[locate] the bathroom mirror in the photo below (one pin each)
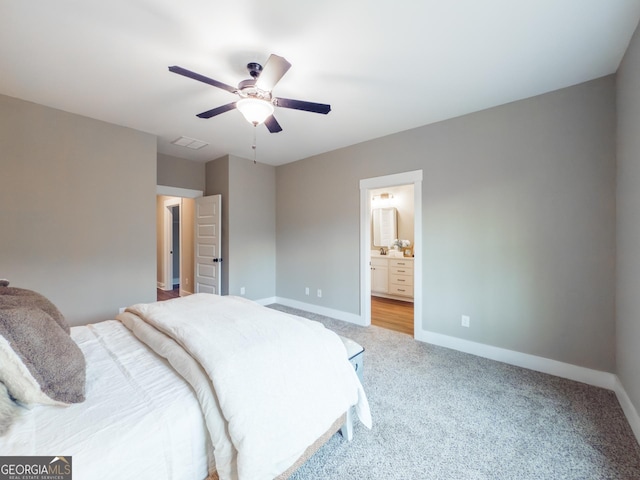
(385, 226)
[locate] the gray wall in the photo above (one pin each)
(248, 224)
(77, 210)
(518, 223)
(179, 172)
(628, 234)
(252, 214)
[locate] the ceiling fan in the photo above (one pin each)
(256, 102)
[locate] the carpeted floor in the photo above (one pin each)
(446, 415)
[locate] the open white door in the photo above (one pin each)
(207, 244)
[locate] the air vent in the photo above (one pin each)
(191, 143)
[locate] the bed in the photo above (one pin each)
(162, 400)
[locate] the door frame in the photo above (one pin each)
(180, 193)
(366, 185)
(167, 216)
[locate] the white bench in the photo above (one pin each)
(355, 353)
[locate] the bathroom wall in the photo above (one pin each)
(403, 202)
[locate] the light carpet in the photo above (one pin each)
(442, 414)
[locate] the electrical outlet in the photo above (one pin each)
(319, 293)
(186, 281)
(306, 290)
(242, 291)
(466, 320)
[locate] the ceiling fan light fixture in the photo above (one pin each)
(255, 110)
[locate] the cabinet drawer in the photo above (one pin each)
(401, 280)
(401, 271)
(400, 263)
(403, 290)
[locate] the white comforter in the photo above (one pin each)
(274, 382)
(140, 419)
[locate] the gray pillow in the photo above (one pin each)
(41, 364)
(20, 297)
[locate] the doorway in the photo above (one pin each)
(367, 187)
(174, 241)
(392, 267)
(170, 245)
(174, 248)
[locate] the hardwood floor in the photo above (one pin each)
(168, 294)
(392, 314)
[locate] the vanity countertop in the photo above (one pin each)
(390, 254)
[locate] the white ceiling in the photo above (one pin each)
(383, 66)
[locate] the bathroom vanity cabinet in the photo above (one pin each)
(392, 277)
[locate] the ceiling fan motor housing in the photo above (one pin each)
(247, 88)
(254, 69)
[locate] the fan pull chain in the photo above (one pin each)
(254, 146)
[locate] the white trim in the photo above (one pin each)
(627, 407)
(178, 192)
(160, 285)
(413, 177)
(267, 301)
(184, 293)
(365, 254)
(327, 312)
(589, 376)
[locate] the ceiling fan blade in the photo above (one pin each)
(272, 124)
(301, 105)
(273, 71)
(217, 111)
(202, 78)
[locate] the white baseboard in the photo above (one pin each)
(160, 285)
(320, 310)
(184, 293)
(589, 376)
(627, 407)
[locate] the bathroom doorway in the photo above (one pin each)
(392, 295)
(392, 243)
